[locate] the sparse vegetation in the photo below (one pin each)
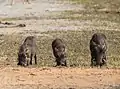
(98, 4)
(77, 43)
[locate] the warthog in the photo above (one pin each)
(98, 49)
(27, 51)
(59, 52)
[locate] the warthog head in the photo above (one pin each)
(23, 57)
(61, 56)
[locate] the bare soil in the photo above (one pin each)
(58, 78)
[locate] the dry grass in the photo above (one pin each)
(77, 45)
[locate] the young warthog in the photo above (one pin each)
(27, 51)
(59, 52)
(98, 49)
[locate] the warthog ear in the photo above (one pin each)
(93, 43)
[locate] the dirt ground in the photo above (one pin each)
(51, 77)
(58, 78)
